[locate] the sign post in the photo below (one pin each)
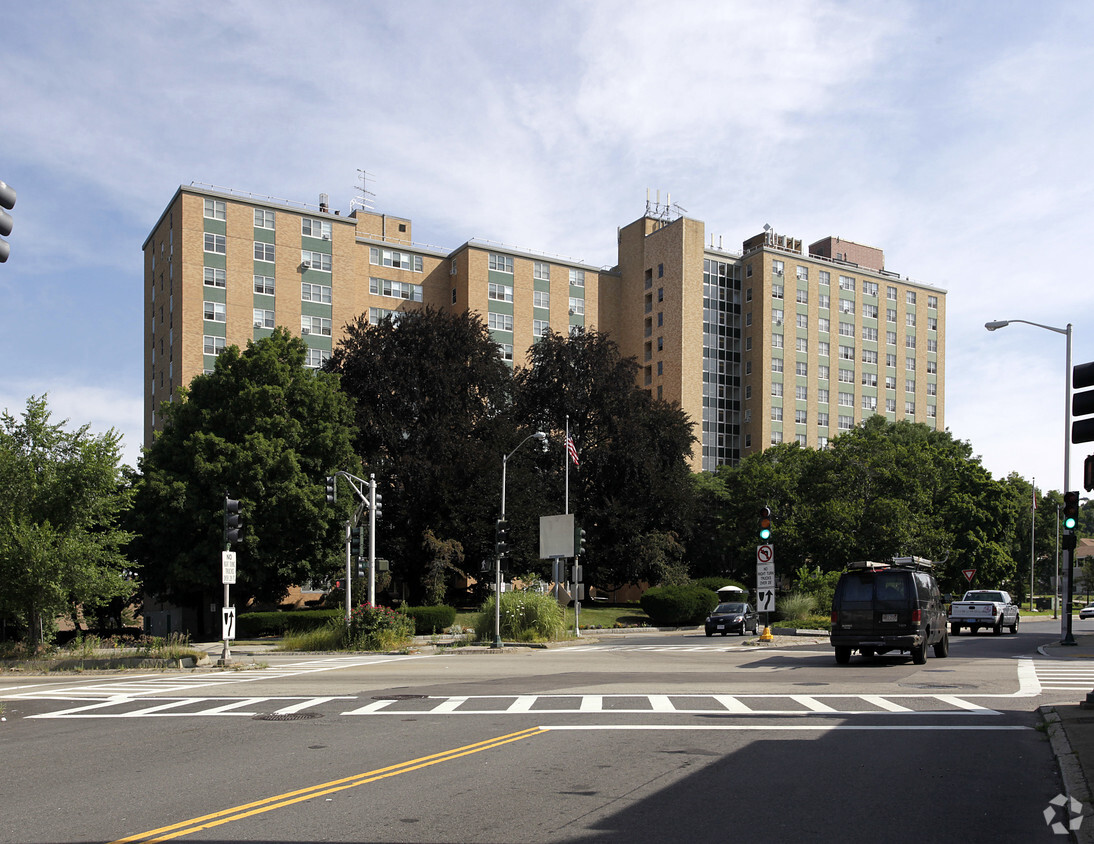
(765, 580)
(228, 616)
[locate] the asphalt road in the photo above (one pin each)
(637, 738)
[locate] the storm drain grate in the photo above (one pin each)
(287, 716)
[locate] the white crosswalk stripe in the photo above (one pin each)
(190, 707)
(701, 704)
(1064, 675)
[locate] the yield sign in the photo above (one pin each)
(968, 574)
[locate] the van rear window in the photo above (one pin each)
(858, 588)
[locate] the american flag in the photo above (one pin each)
(571, 449)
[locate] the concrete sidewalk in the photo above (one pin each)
(1070, 728)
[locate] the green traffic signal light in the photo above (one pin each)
(765, 523)
(1071, 510)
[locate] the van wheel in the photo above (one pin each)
(843, 655)
(1014, 627)
(955, 629)
(942, 646)
(919, 654)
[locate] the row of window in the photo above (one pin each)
(264, 285)
(264, 218)
(540, 269)
(869, 379)
(264, 318)
(869, 334)
(845, 305)
(846, 422)
(824, 324)
(870, 288)
(823, 370)
(217, 244)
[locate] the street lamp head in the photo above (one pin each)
(539, 435)
(996, 323)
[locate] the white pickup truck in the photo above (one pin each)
(984, 608)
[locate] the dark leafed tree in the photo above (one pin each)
(60, 540)
(266, 430)
(432, 401)
(633, 484)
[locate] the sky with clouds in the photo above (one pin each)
(956, 137)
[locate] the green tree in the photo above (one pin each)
(633, 479)
(432, 394)
(267, 430)
(60, 539)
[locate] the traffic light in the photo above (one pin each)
(765, 523)
(332, 493)
(501, 545)
(355, 542)
(377, 504)
(361, 567)
(1082, 404)
(1088, 473)
(579, 543)
(1071, 510)
(7, 200)
(233, 521)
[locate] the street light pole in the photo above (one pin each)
(1067, 637)
(542, 437)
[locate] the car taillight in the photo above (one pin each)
(835, 617)
(993, 609)
(917, 616)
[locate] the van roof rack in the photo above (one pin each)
(917, 563)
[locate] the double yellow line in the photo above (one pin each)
(167, 833)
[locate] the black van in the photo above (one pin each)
(881, 607)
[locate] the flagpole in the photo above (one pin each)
(566, 463)
(1032, 544)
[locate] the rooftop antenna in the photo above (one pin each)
(365, 198)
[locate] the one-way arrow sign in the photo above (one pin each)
(228, 623)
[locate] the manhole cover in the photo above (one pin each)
(287, 716)
(399, 697)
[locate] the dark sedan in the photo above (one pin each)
(732, 618)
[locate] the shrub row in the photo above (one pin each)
(430, 620)
(250, 625)
(678, 606)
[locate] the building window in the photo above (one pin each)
(316, 358)
(909, 297)
(932, 411)
(909, 385)
(660, 344)
(846, 306)
(776, 414)
(824, 277)
(315, 293)
(264, 219)
(499, 292)
(577, 308)
(932, 323)
(822, 396)
(803, 321)
(823, 300)
(660, 367)
(398, 260)
(847, 352)
(500, 322)
(846, 423)
(501, 263)
(824, 324)
(777, 267)
(869, 288)
(932, 302)
(541, 299)
(869, 379)
(506, 351)
(822, 372)
(776, 364)
(869, 403)
(264, 284)
(823, 348)
(748, 319)
(909, 408)
(801, 417)
(395, 289)
(660, 294)
(890, 405)
(846, 283)
(909, 341)
(847, 329)
(822, 420)
(890, 382)
(264, 251)
(215, 311)
(890, 293)
(539, 327)
(541, 271)
(869, 311)
(214, 277)
(577, 278)
(932, 367)
(310, 227)
(801, 392)
(932, 345)
(315, 325)
(776, 291)
(776, 341)
(802, 344)
(453, 295)
(216, 243)
(777, 316)
(315, 260)
(869, 356)
(846, 376)
(216, 209)
(890, 360)
(212, 345)
(890, 338)
(801, 368)
(263, 318)
(869, 334)
(776, 389)
(909, 364)
(803, 297)
(802, 273)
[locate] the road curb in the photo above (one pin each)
(1071, 773)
